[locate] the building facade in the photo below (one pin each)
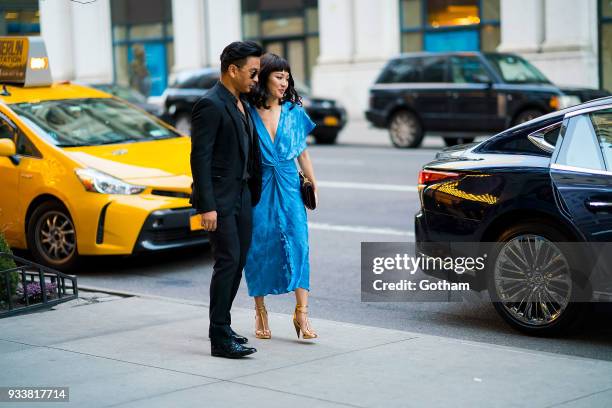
(336, 46)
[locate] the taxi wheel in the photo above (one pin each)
(52, 237)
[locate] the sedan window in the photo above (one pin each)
(579, 146)
(602, 125)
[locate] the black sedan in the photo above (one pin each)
(537, 199)
(188, 87)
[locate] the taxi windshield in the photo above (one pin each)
(91, 122)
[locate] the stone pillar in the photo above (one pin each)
(189, 35)
(92, 41)
(78, 40)
(336, 31)
(56, 30)
(222, 26)
(356, 37)
(377, 33)
(557, 36)
(522, 25)
(569, 51)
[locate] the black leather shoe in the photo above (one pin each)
(229, 348)
(239, 339)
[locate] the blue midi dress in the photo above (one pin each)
(277, 261)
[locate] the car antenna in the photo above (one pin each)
(5, 91)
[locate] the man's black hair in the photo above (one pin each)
(237, 52)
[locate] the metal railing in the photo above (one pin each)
(39, 287)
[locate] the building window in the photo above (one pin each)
(143, 51)
(289, 28)
(449, 25)
(605, 44)
(19, 17)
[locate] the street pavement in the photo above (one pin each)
(141, 351)
(147, 347)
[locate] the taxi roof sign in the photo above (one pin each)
(24, 61)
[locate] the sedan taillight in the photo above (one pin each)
(427, 177)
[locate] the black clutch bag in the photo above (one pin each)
(308, 194)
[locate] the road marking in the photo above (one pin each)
(336, 162)
(367, 186)
(361, 229)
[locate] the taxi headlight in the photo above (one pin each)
(98, 182)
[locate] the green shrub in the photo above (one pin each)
(7, 263)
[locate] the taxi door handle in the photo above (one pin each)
(26, 176)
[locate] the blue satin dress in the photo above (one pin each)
(277, 261)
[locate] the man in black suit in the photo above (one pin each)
(226, 169)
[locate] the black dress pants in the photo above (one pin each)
(230, 244)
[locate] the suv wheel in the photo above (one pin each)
(531, 282)
(452, 141)
(526, 116)
(405, 130)
(52, 236)
(183, 124)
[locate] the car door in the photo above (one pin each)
(431, 95)
(581, 172)
(9, 180)
(473, 98)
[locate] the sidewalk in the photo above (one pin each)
(154, 352)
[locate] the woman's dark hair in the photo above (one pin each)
(273, 63)
(237, 52)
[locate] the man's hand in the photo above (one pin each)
(209, 221)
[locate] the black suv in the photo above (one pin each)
(460, 95)
(178, 100)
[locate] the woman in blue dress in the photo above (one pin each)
(277, 261)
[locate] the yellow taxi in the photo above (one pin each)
(82, 172)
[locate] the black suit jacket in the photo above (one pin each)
(218, 151)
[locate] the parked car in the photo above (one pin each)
(130, 95)
(461, 95)
(179, 98)
(543, 184)
(85, 173)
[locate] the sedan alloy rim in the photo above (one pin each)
(532, 280)
(55, 237)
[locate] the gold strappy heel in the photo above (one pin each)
(264, 332)
(307, 332)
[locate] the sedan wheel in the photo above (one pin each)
(533, 280)
(405, 130)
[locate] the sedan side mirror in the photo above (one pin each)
(7, 148)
